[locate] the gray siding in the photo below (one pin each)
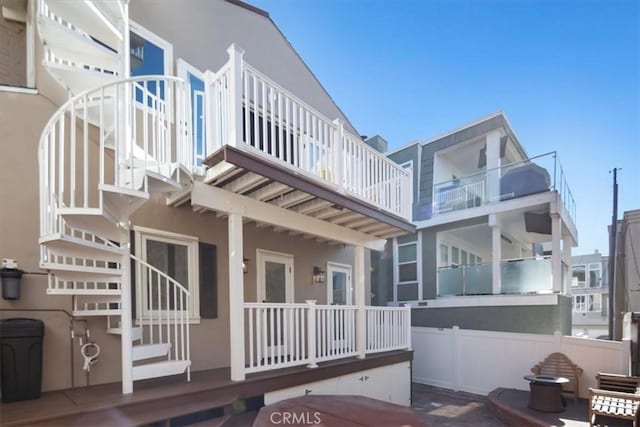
(523, 319)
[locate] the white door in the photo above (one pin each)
(275, 277)
(339, 284)
(197, 125)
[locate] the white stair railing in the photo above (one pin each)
(388, 328)
(89, 143)
(162, 309)
(272, 122)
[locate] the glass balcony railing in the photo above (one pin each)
(521, 276)
(519, 179)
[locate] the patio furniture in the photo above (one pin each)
(617, 396)
(546, 392)
(559, 365)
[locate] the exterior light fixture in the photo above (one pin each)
(245, 265)
(319, 275)
(11, 276)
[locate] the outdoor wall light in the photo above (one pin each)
(319, 275)
(245, 265)
(11, 276)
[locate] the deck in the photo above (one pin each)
(168, 398)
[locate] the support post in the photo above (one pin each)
(235, 95)
(496, 254)
(556, 252)
(236, 298)
(493, 165)
(126, 323)
(567, 241)
(361, 315)
(311, 332)
(338, 166)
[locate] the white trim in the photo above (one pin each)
(343, 268)
(395, 269)
(31, 44)
(18, 89)
(142, 234)
(263, 255)
(419, 265)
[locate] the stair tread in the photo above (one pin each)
(160, 369)
(63, 244)
(81, 269)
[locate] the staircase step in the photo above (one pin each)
(149, 351)
(136, 332)
(96, 312)
(65, 245)
(93, 220)
(159, 183)
(88, 18)
(74, 46)
(77, 79)
(71, 291)
(98, 299)
(160, 369)
(110, 9)
(80, 273)
(122, 202)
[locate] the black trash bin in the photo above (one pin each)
(21, 359)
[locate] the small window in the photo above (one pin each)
(463, 257)
(150, 55)
(595, 302)
(594, 276)
(472, 259)
(455, 257)
(578, 278)
(579, 303)
(176, 256)
(444, 255)
(408, 263)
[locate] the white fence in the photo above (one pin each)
(481, 361)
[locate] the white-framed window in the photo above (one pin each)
(407, 270)
(197, 123)
(589, 303)
(579, 303)
(175, 255)
(578, 276)
(595, 302)
(450, 255)
(595, 275)
(407, 165)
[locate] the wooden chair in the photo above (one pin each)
(559, 365)
(617, 396)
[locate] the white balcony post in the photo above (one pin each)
(556, 253)
(361, 316)
(236, 298)
(338, 157)
(493, 165)
(408, 331)
(210, 109)
(125, 316)
(235, 95)
(566, 252)
(496, 254)
(311, 332)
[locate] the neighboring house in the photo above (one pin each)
(627, 272)
(485, 212)
(590, 293)
(181, 181)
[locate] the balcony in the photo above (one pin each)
(520, 276)
(517, 179)
(251, 113)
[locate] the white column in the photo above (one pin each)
(361, 318)
(125, 316)
(311, 332)
(236, 298)
(493, 165)
(235, 94)
(556, 252)
(566, 252)
(496, 254)
(338, 158)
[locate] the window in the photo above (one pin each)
(175, 255)
(195, 79)
(455, 257)
(579, 303)
(595, 276)
(17, 32)
(408, 262)
(150, 55)
(444, 255)
(578, 278)
(463, 257)
(595, 302)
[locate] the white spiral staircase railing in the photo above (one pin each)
(115, 142)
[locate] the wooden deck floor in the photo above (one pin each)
(165, 398)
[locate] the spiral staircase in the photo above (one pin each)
(114, 144)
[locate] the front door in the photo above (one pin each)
(275, 277)
(339, 287)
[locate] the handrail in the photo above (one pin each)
(161, 273)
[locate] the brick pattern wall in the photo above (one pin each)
(13, 52)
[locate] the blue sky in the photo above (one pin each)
(566, 73)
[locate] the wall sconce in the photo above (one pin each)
(319, 275)
(245, 265)
(11, 276)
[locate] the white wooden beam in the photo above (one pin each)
(236, 297)
(224, 201)
(292, 199)
(346, 218)
(312, 206)
(245, 183)
(374, 227)
(359, 289)
(269, 191)
(360, 222)
(327, 213)
(219, 171)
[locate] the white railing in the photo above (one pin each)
(285, 335)
(388, 328)
(110, 136)
(162, 310)
(460, 197)
(250, 111)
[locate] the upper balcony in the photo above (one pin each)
(250, 114)
(510, 181)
